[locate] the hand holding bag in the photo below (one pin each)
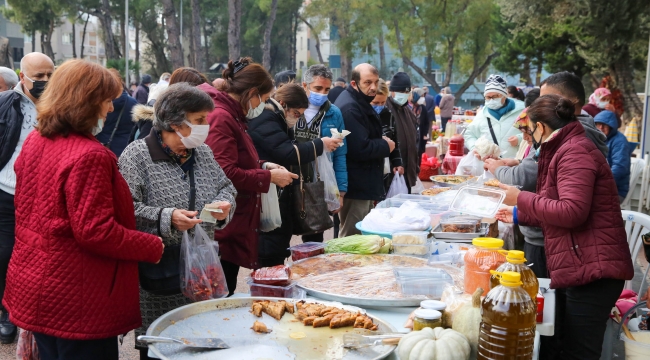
(310, 214)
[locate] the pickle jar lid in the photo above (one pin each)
(428, 314)
(433, 305)
(489, 243)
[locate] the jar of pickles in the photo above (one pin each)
(437, 306)
(426, 318)
(479, 260)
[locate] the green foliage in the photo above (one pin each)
(34, 15)
(118, 64)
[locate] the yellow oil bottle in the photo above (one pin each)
(515, 261)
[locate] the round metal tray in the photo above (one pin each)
(230, 319)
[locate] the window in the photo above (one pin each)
(302, 64)
(308, 43)
(18, 53)
(66, 38)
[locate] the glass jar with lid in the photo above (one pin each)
(426, 318)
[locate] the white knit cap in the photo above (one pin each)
(495, 83)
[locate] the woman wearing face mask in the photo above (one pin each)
(240, 98)
(318, 121)
(495, 120)
(273, 134)
(160, 170)
(599, 101)
(73, 274)
(576, 205)
(382, 105)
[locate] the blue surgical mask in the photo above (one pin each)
(494, 104)
(401, 98)
(378, 108)
(317, 99)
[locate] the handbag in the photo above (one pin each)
(164, 278)
(310, 214)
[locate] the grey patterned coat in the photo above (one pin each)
(159, 186)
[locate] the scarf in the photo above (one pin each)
(508, 107)
(185, 160)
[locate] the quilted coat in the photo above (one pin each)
(234, 151)
(73, 273)
(576, 205)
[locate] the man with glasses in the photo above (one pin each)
(495, 120)
(35, 71)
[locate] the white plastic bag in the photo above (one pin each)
(398, 186)
(418, 188)
(327, 176)
(386, 166)
(486, 148)
(270, 218)
(408, 217)
(470, 165)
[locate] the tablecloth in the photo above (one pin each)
(450, 163)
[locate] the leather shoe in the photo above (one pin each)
(8, 330)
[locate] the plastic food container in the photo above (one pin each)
(279, 275)
(460, 224)
(432, 287)
(426, 318)
(479, 260)
(481, 202)
(410, 237)
(421, 273)
(411, 250)
(289, 291)
(307, 250)
(451, 258)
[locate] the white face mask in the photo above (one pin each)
(253, 113)
(98, 128)
(198, 134)
(401, 98)
(494, 104)
(602, 104)
(421, 101)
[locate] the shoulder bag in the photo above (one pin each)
(164, 278)
(310, 215)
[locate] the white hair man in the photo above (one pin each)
(8, 79)
(35, 71)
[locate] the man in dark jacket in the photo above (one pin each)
(405, 126)
(338, 88)
(117, 125)
(430, 104)
(619, 156)
(367, 147)
(142, 92)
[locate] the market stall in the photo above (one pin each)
(424, 269)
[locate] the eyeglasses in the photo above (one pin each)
(492, 97)
(294, 113)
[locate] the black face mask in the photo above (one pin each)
(536, 144)
(368, 98)
(37, 88)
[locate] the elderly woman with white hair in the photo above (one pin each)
(171, 174)
(8, 79)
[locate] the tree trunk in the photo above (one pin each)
(199, 60)
(478, 70)
(451, 58)
(540, 68)
(83, 36)
(525, 72)
(191, 56)
(206, 48)
(382, 55)
(234, 28)
(124, 42)
(105, 18)
(316, 36)
(294, 47)
(46, 42)
(173, 34)
(136, 25)
(74, 39)
(266, 46)
(34, 41)
(407, 61)
(622, 73)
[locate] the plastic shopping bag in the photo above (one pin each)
(398, 186)
(270, 218)
(202, 276)
(327, 176)
(418, 188)
(26, 348)
(386, 166)
(470, 165)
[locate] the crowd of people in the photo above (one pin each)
(98, 183)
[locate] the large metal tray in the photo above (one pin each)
(230, 319)
(445, 184)
(440, 235)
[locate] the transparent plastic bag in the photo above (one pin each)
(470, 165)
(418, 188)
(201, 274)
(327, 176)
(26, 349)
(398, 186)
(270, 218)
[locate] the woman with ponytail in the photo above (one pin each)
(576, 205)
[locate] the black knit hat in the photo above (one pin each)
(401, 82)
(284, 77)
(340, 80)
(146, 79)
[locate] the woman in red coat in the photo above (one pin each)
(73, 274)
(576, 205)
(246, 88)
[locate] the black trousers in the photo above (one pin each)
(230, 271)
(53, 348)
(536, 256)
(581, 315)
(7, 236)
